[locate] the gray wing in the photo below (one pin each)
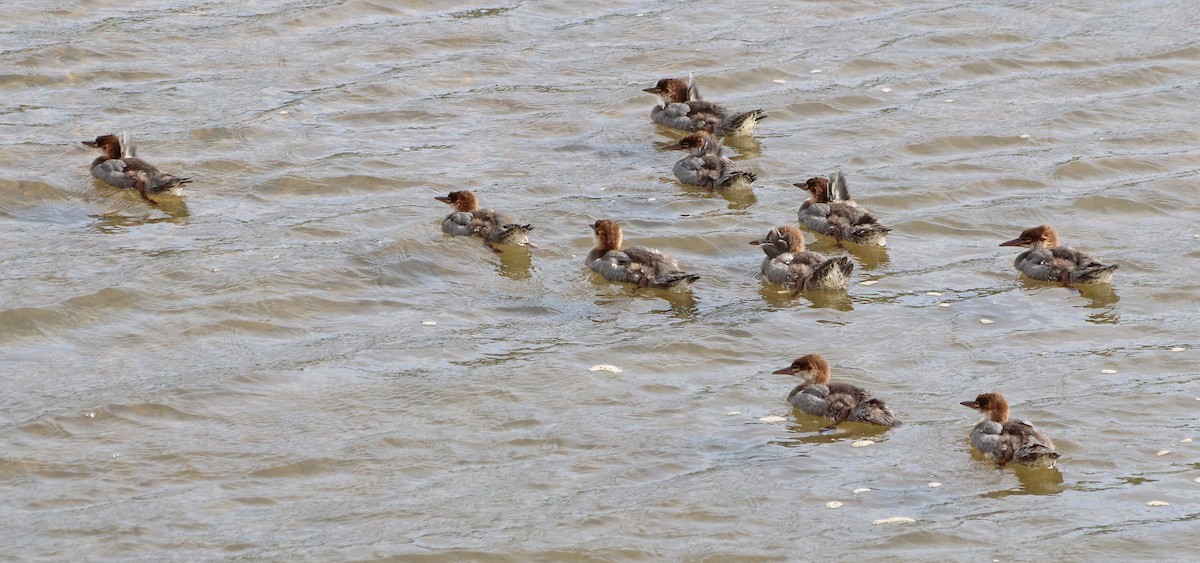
(1040, 264)
(987, 438)
(811, 400)
(815, 217)
(777, 270)
(652, 260)
(838, 189)
(114, 173)
(128, 147)
(673, 115)
(693, 90)
(616, 266)
(690, 169)
(458, 224)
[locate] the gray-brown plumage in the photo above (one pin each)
(830, 211)
(492, 226)
(1005, 440)
(643, 267)
(681, 107)
(118, 166)
(838, 402)
(706, 165)
(789, 264)
(1046, 260)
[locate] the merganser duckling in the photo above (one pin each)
(788, 263)
(1003, 440)
(830, 211)
(706, 165)
(681, 107)
(836, 401)
(469, 220)
(119, 167)
(1047, 261)
(643, 267)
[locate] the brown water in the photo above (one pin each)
(246, 373)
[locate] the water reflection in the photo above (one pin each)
(683, 304)
(738, 199)
(747, 147)
(1032, 480)
(807, 430)
(1101, 297)
(869, 257)
(780, 297)
(169, 210)
(516, 262)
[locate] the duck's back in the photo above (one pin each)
(674, 115)
(458, 224)
(829, 401)
(644, 267)
(1027, 444)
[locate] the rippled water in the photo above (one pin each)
(247, 372)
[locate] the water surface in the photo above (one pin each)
(249, 372)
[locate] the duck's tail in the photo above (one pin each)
(868, 232)
(1037, 454)
(1098, 273)
(166, 183)
(874, 411)
(830, 274)
(511, 233)
(736, 179)
(677, 280)
(742, 123)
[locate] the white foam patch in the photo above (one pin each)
(772, 418)
(893, 520)
(833, 504)
(861, 443)
(606, 367)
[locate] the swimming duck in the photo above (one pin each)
(836, 401)
(1003, 440)
(681, 107)
(830, 211)
(469, 220)
(788, 263)
(1047, 261)
(643, 267)
(706, 165)
(119, 167)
